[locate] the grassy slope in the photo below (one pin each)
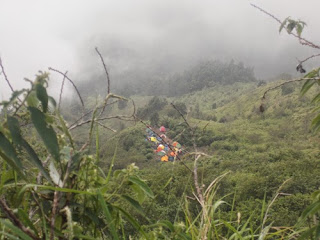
(261, 149)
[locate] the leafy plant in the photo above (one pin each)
(57, 189)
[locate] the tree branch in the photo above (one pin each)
(302, 40)
(105, 69)
(75, 87)
(315, 55)
(5, 75)
(15, 220)
(281, 84)
(61, 89)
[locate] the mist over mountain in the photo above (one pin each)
(143, 38)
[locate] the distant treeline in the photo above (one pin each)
(156, 82)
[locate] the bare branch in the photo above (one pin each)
(61, 89)
(110, 95)
(134, 108)
(185, 120)
(75, 87)
(313, 56)
(265, 12)
(106, 127)
(286, 82)
(87, 113)
(56, 198)
(5, 75)
(15, 220)
(105, 68)
(302, 40)
(121, 117)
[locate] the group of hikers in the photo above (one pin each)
(165, 148)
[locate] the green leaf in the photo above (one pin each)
(264, 232)
(142, 185)
(111, 165)
(299, 29)
(14, 128)
(167, 224)
(108, 217)
(92, 123)
(306, 86)
(12, 164)
(133, 222)
(15, 230)
(34, 159)
(140, 194)
(75, 161)
(42, 96)
(316, 98)
(25, 218)
(283, 24)
(32, 99)
(291, 26)
(229, 226)
(55, 176)
(65, 129)
(133, 203)
(217, 204)
(307, 234)
(9, 236)
(310, 210)
(58, 189)
(46, 132)
(312, 74)
(316, 122)
(8, 150)
(52, 101)
(13, 97)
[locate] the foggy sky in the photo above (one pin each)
(37, 34)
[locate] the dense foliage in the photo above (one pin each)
(257, 178)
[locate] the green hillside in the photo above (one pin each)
(261, 150)
(246, 168)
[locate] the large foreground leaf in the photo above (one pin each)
(17, 138)
(45, 131)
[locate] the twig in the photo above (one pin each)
(61, 90)
(176, 137)
(315, 55)
(121, 117)
(106, 127)
(185, 120)
(105, 68)
(286, 82)
(5, 75)
(265, 12)
(271, 203)
(87, 113)
(15, 220)
(56, 198)
(302, 40)
(75, 87)
(199, 189)
(39, 176)
(110, 95)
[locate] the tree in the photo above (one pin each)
(154, 119)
